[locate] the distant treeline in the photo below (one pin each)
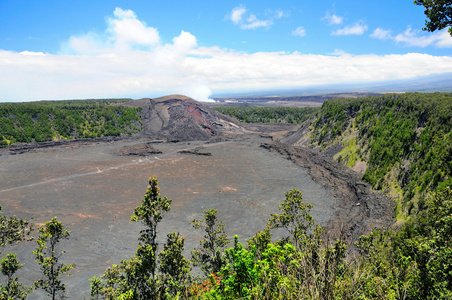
(405, 139)
(291, 115)
(52, 120)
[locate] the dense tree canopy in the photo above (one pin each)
(53, 120)
(291, 115)
(438, 12)
(405, 140)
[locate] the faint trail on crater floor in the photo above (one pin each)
(72, 176)
(64, 178)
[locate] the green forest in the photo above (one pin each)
(405, 140)
(71, 119)
(290, 115)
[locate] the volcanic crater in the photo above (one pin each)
(93, 186)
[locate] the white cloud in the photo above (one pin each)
(339, 52)
(33, 53)
(128, 31)
(414, 38)
(124, 33)
(185, 41)
(280, 14)
(198, 90)
(381, 34)
(443, 39)
(300, 31)
(358, 29)
(96, 68)
(89, 43)
(240, 16)
(332, 19)
(409, 37)
(237, 13)
(252, 22)
(124, 13)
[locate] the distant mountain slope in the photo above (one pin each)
(179, 117)
(428, 83)
(278, 100)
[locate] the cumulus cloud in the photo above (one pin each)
(95, 67)
(357, 29)
(89, 43)
(252, 22)
(246, 20)
(381, 34)
(410, 37)
(300, 31)
(128, 31)
(124, 33)
(237, 13)
(332, 19)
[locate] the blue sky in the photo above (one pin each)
(94, 49)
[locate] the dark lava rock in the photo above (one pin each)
(177, 117)
(138, 150)
(196, 151)
(359, 209)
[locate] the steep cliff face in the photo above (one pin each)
(178, 117)
(401, 143)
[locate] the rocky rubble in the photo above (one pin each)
(138, 150)
(359, 209)
(177, 117)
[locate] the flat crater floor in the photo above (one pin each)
(93, 192)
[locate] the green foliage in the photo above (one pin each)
(294, 217)
(47, 256)
(13, 229)
(406, 136)
(411, 263)
(209, 256)
(137, 278)
(13, 289)
(260, 241)
(427, 242)
(174, 267)
(131, 279)
(150, 213)
(291, 115)
(48, 120)
(281, 270)
(438, 12)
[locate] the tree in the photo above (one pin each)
(47, 256)
(12, 229)
(136, 278)
(13, 289)
(174, 267)
(294, 216)
(150, 213)
(209, 256)
(438, 12)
